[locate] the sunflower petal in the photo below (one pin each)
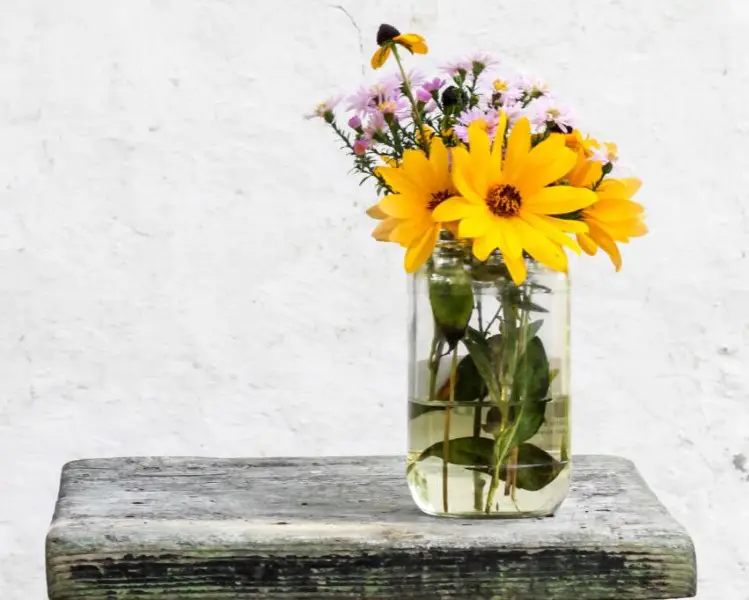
(510, 242)
(440, 162)
(400, 181)
(376, 212)
(615, 210)
(418, 253)
(569, 225)
(471, 227)
(587, 244)
(545, 165)
(541, 247)
(456, 208)
(409, 230)
(480, 145)
(413, 41)
(417, 167)
(518, 146)
(380, 56)
(517, 268)
(632, 185)
(550, 231)
(383, 230)
(462, 167)
(559, 199)
(585, 173)
(400, 206)
(607, 244)
(483, 246)
(495, 160)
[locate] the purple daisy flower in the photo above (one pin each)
(325, 109)
(489, 118)
(547, 111)
(367, 97)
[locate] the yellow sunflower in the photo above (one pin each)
(420, 184)
(586, 172)
(387, 35)
(613, 218)
(506, 201)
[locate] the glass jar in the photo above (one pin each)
(488, 401)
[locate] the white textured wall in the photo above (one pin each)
(185, 267)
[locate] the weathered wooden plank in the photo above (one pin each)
(199, 528)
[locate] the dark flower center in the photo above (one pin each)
(503, 200)
(386, 33)
(451, 96)
(438, 198)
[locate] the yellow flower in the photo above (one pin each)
(506, 201)
(501, 85)
(387, 36)
(420, 184)
(586, 172)
(613, 218)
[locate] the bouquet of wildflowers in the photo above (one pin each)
(482, 177)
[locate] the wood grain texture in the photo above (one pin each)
(199, 528)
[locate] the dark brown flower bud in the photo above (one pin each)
(386, 33)
(451, 96)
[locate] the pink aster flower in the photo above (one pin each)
(361, 146)
(483, 60)
(375, 123)
(513, 109)
(414, 77)
(354, 122)
(366, 98)
(396, 105)
(434, 85)
(324, 109)
(489, 118)
(604, 153)
(529, 86)
(423, 95)
(454, 68)
(549, 112)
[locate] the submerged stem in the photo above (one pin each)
(434, 364)
(478, 480)
(446, 439)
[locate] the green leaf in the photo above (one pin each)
(533, 328)
(451, 296)
(532, 377)
(537, 468)
(530, 417)
(466, 452)
(529, 306)
(481, 352)
(469, 385)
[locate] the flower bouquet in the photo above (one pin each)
(486, 182)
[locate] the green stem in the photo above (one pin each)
(446, 438)
(434, 364)
(500, 455)
(363, 168)
(414, 106)
(478, 480)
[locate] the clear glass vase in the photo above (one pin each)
(488, 405)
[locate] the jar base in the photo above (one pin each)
(467, 494)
